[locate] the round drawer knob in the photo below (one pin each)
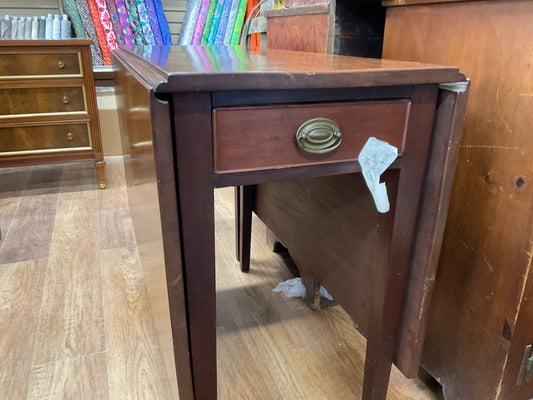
(65, 99)
(318, 136)
(70, 136)
(60, 64)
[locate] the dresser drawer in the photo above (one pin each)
(255, 138)
(44, 137)
(52, 63)
(15, 101)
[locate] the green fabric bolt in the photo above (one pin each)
(208, 21)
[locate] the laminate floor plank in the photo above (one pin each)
(12, 184)
(72, 323)
(273, 347)
(136, 366)
(82, 378)
(116, 228)
(103, 330)
(30, 231)
(21, 290)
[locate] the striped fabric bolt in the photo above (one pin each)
(231, 21)
(154, 23)
(107, 26)
(122, 13)
(200, 22)
(163, 23)
(235, 36)
(115, 21)
(224, 19)
(100, 34)
(148, 34)
(135, 21)
(216, 22)
(85, 16)
(69, 7)
(208, 21)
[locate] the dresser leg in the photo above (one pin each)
(100, 169)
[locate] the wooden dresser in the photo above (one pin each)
(48, 110)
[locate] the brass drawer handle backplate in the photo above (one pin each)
(65, 99)
(60, 64)
(70, 136)
(318, 136)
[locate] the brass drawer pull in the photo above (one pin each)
(65, 99)
(70, 136)
(318, 136)
(60, 64)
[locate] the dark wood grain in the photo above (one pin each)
(238, 132)
(148, 147)
(207, 68)
(193, 83)
(444, 150)
(193, 144)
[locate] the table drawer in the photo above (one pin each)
(15, 101)
(53, 63)
(44, 137)
(255, 138)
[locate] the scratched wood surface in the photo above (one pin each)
(80, 325)
(478, 326)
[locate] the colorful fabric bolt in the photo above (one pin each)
(135, 22)
(189, 22)
(200, 22)
(99, 30)
(163, 23)
(154, 23)
(107, 26)
(216, 22)
(85, 16)
(239, 19)
(208, 21)
(115, 21)
(69, 7)
(149, 38)
(122, 13)
(231, 21)
(224, 19)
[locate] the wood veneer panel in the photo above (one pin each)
(135, 361)
(240, 131)
(484, 258)
(299, 32)
(21, 285)
(83, 378)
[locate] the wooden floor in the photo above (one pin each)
(76, 320)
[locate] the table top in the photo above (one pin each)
(169, 69)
